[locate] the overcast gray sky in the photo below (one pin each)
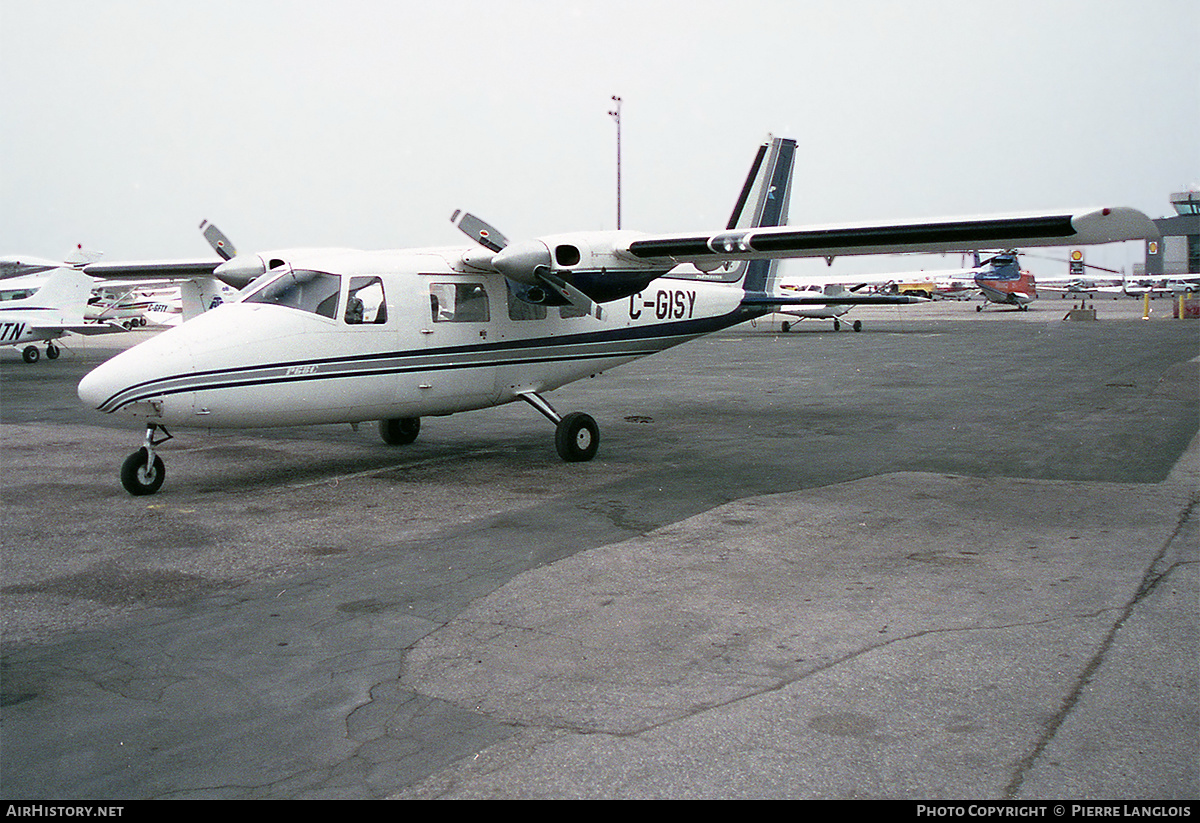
(365, 124)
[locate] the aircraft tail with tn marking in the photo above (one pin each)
(62, 298)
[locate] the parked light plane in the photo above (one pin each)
(891, 288)
(1154, 287)
(952, 284)
(331, 336)
(830, 310)
(54, 309)
(130, 303)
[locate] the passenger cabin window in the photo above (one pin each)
(459, 303)
(311, 291)
(365, 302)
(518, 309)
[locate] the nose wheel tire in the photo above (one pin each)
(140, 476)
(577, 437)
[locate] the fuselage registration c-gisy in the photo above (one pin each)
(343, 336)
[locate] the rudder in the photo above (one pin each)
(767, 192)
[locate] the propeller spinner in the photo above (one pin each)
(235, 271)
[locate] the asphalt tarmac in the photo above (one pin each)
(951, 556)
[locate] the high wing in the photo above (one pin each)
(177, 270)
(12, 267)
(153, 269)
(1082, 227)
(1087, 226)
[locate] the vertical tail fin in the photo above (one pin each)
(764, 201)
(66, 291)
(747, 188)
(198, 295)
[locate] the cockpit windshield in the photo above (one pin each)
(311, 291)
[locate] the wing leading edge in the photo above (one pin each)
(159, 269)
(1085, 227)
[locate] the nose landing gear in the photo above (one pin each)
(143, 471)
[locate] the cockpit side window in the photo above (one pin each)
(311, 291)
(365, 302)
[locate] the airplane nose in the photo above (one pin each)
(98, 385)
(113, 385)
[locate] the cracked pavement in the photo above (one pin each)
(753, 650)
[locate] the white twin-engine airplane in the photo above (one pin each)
(336, 336)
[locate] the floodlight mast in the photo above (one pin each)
(615, 113)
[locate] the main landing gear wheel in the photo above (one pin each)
(577, 437)
(399, 431)
(141, 475)
(30, 354)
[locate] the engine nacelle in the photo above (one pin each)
(589, 262)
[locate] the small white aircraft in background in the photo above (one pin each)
(950, 284)
(830, 310)
(1154, 287)
(131, 303)
(340, 336)
(125, 306)
(46, 310)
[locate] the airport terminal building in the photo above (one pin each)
(1178, 252)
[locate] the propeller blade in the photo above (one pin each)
(218, 240)
(479, 231)
(572, 295)
(520, 262)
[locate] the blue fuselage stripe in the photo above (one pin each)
(627, 344)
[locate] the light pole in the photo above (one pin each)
(616, 115)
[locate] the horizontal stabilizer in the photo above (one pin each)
(841, 299)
